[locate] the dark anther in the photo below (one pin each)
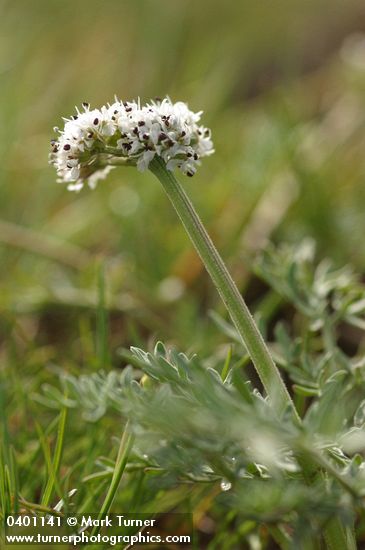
(145, 136)
(167, 123)
(96, 121)
(113, 117)
(90, 135)
(195, 156)
(190, 174)
(158, 99)
(55, 148)
(85, 104)
(115, 112)
(67, 147)
(127, 146)
(162, 136)
(170, 142)
(74, 117)
(183, 133)
(135, 131)
(141, 123)
(128, 109)
(189, 155)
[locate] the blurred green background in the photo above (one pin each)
(282, 85)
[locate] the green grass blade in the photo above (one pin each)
(125, 448)
(53, 466)
(102, 322)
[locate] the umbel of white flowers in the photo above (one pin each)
(95, 140)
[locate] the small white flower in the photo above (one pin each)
(94, 140)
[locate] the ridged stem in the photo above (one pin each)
(239, 312)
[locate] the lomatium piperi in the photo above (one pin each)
(93, 140)
(162, 136)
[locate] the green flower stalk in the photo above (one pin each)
(239, 312)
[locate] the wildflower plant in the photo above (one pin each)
(161, 136)
(207, 425)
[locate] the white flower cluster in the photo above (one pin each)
(94, 140)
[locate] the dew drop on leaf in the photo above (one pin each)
(226, 485)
